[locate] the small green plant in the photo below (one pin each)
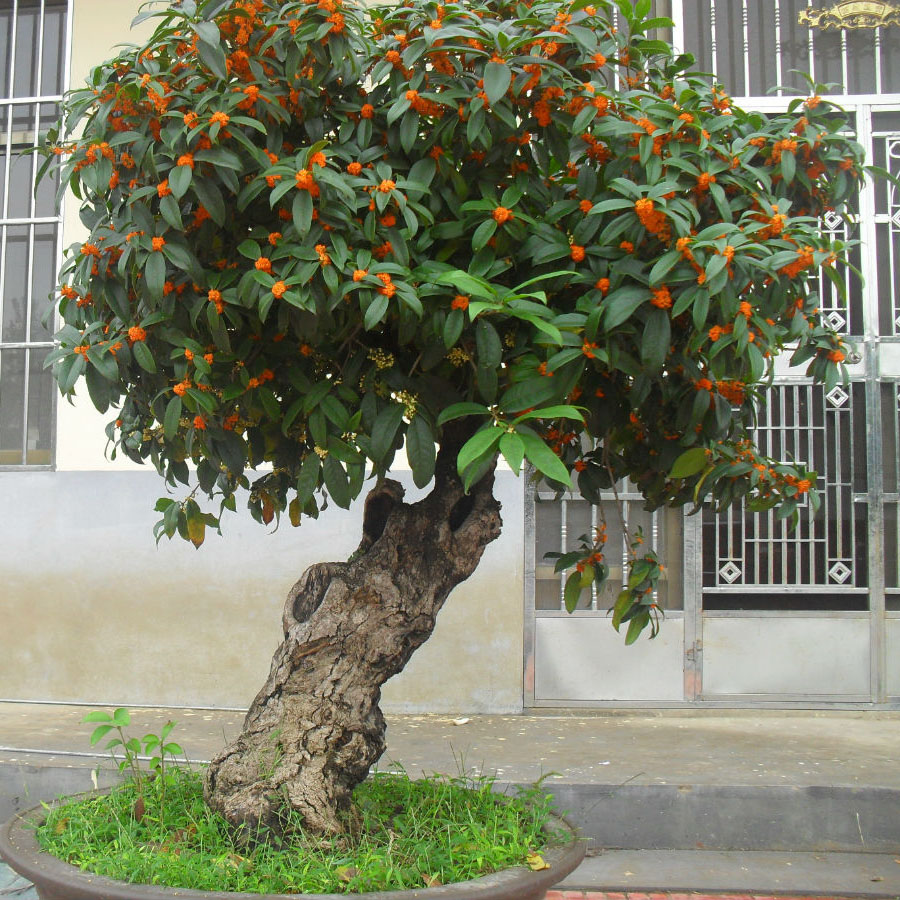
(156, 746)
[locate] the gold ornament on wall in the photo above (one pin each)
(852, 14)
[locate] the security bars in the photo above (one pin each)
(33, 64)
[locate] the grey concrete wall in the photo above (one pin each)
(92, 610)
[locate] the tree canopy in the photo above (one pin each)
(319, 233)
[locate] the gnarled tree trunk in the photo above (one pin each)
(315, 728)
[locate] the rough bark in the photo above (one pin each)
(315, 728)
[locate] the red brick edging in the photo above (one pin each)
(668, 895)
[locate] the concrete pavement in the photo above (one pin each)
(754, 803)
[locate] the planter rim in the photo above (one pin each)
(20, 849)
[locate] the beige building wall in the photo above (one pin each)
(92, 610)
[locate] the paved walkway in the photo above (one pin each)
(675, 786)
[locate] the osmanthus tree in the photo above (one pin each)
(321, 234)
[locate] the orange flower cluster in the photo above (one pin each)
(805, 260)
(388, 288)
(732, 391)
(423, 106)
(652, 219)
(661, 299)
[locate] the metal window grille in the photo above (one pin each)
(753, 46)
(33, 65)
(886, 152)
(751, 558)
(559, 525)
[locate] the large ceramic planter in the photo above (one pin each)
(57, 880)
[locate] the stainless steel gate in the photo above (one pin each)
(759, 615)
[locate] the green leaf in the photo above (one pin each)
(689, 463)
(458, 410)
(99, 733)
(551, 412)
(622, 302)
(302, 211)
(308, 478)
(483, 233)
(375, 311)
(172, 417)
(572, 592)
(487, 344)
(622, 605)
(143, 356)
(788, 166)
(336, 482)
(384, 430)
(121, 718)
(180, 180)
(420, 450)
(545, 460)
(479, 445)
(213, 57)
(656, 338)
(453, 327)
(155, 274)
(513, 450)
(636, 626)
(497, 78)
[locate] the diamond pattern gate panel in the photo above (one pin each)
(755, 561)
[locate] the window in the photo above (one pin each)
(33, 52)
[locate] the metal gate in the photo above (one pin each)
(757, 614)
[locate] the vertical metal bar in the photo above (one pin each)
(745, 25)
(654, 541)
(678, 24)
(782, 422)
(773, 523)
(66, 84)
(712, 35)
(845, 69)
(811, 52)
(40, 52)
(778, 61)
(14, 29)
(878, 60)
(32, 208)
(593, 537)
(796, 441)
(692, 580)
(563, 535)
(814, 436)
(530, 585)
(874, 445)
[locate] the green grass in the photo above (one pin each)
(411, 834)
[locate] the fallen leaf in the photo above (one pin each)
(536, 862)
(432, 881)
(139, 809)
(60, 826)
(463, 721)
(347, 873)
